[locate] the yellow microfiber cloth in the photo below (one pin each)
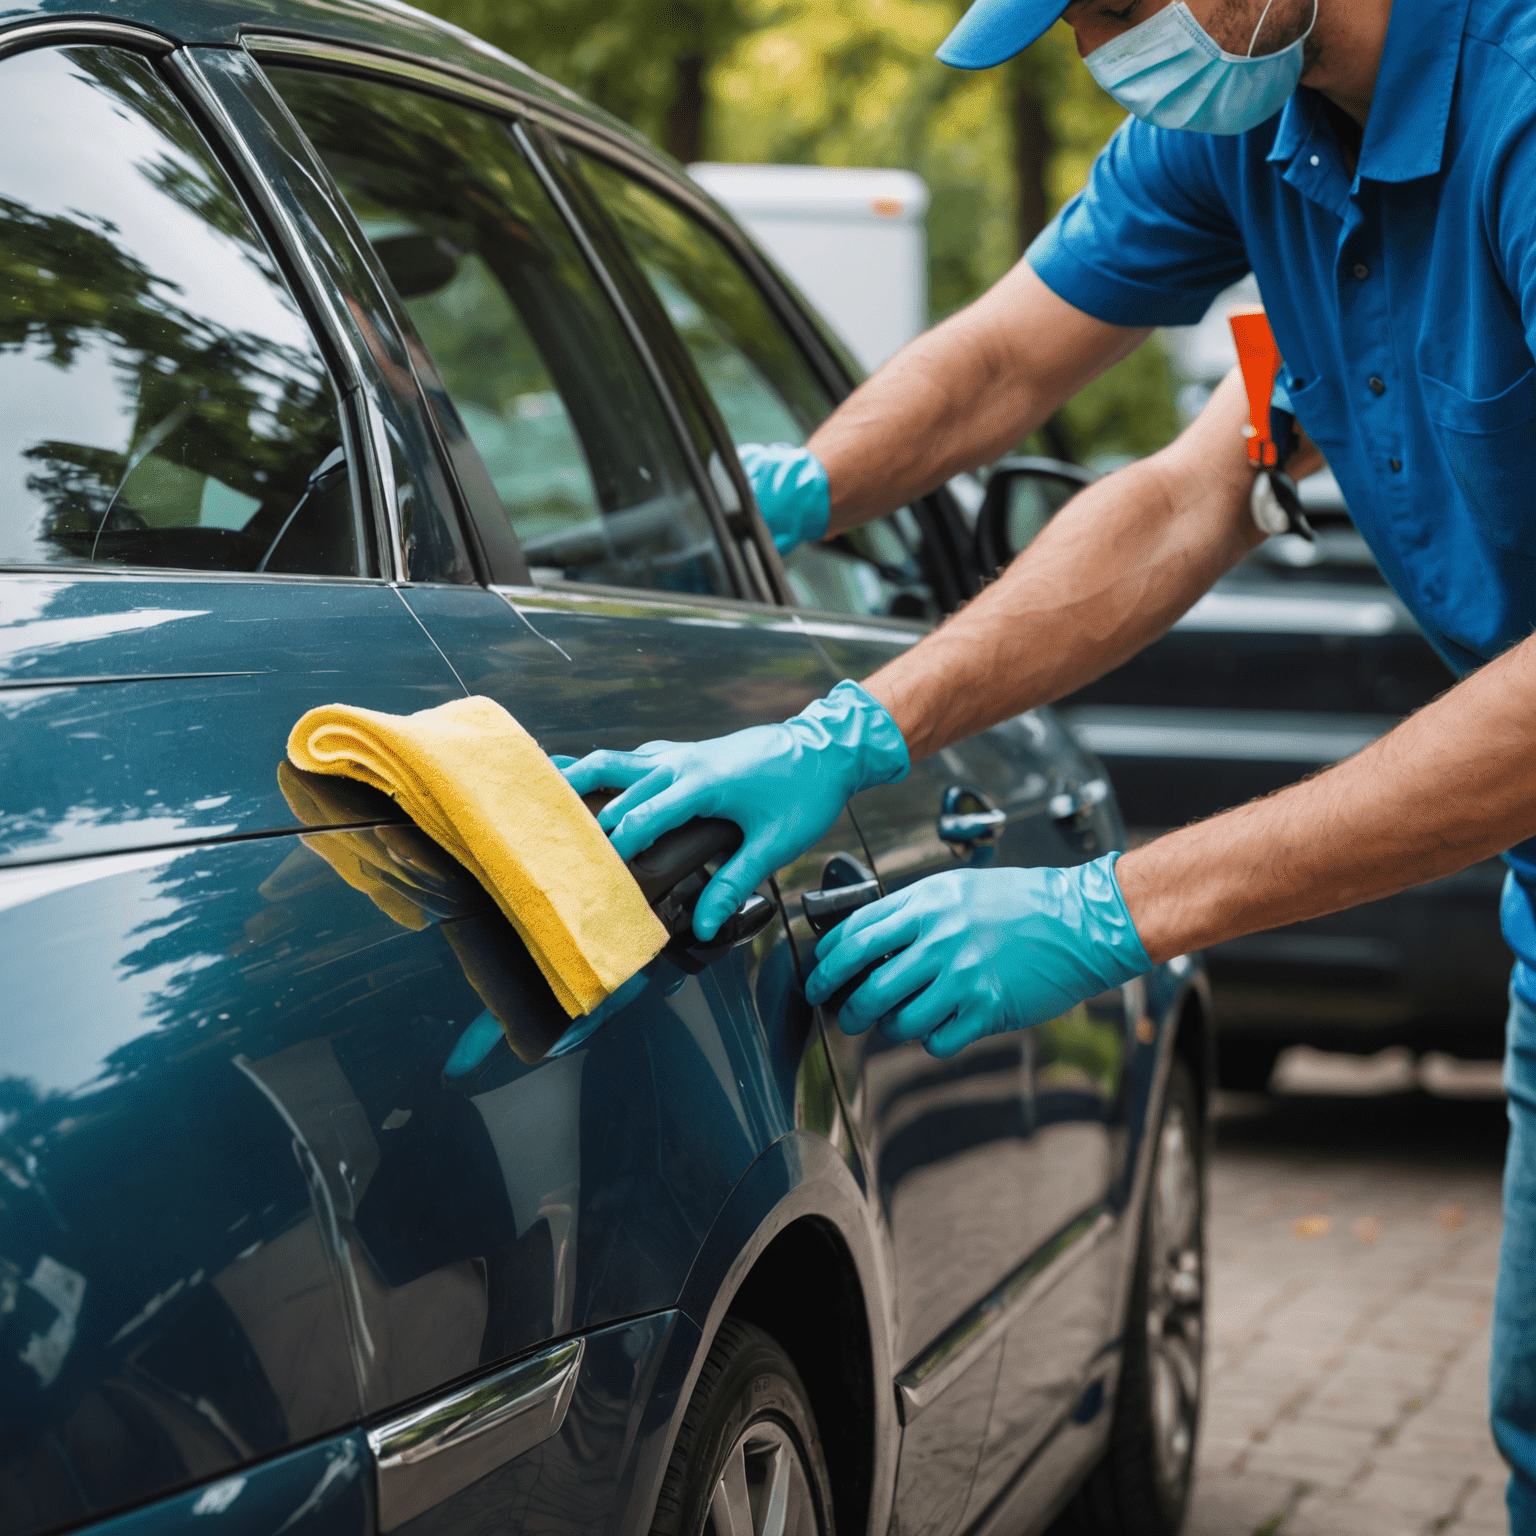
(478, 784)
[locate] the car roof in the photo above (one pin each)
(386, 27)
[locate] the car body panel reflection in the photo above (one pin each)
(244, 1201)
(145, 711)
(322, 1490)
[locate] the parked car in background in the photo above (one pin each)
(345, 359)
(1299, 657)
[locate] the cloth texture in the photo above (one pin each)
(975, 952)
(478, 784)
(1402, 295)
(1512, 1363)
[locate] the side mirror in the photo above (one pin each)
(1023, 495)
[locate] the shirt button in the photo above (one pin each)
(1362, 271)
(1315, 160)
(1397, 466)
(1377, 387)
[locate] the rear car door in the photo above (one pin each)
(199, 514)
(1008, 1153)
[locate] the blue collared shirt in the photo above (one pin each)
(1403, 299)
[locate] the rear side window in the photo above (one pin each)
(759, 379)
(537, 364)
(764, 389)
(165, 403)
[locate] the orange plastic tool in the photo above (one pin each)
(1259, 358)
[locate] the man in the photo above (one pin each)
(1388, 210)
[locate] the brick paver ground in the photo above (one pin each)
(1353, 1242)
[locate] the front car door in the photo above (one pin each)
(995, 1168)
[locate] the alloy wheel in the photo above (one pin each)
(763, 1489)
(1175, 1293)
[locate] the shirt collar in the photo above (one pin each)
(1405, 136)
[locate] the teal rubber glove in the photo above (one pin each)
(791, 489)
(783, 785)
(975, 952)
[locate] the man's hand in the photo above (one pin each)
(783, 785)
(977, 952)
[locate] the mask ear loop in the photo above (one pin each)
(1253, 42)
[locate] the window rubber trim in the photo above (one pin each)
(26, 35)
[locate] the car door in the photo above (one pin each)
(973, 1187)
(625, 625)
(198, 520)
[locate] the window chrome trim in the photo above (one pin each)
(367, 427)
(938, 1368)
(193, 78)
(432, 1453)
(59, 34)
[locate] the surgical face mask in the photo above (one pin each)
(1170, 71)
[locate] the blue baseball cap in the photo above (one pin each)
(992, 31)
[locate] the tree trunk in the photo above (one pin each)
(1032, 147)
(1033, 144)
(684, 134)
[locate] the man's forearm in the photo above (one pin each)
(1113, 570)
(960, 395)
(1453, 784)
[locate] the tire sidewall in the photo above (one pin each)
(1172, 1501)
(757, 1384)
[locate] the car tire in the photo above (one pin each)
(747, 1459)
(1141, 1486)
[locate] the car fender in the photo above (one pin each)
(800, 1176)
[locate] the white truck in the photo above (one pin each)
(853, 241)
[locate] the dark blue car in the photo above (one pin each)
(343, 359)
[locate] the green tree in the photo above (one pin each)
(645, 61)
(855, 82)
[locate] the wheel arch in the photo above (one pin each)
(798, 1204)
(829, 1339)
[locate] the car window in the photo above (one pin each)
(533, 356)
(764, 389)
(165, 403)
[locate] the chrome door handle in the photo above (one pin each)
(424, 1457)
(1075, 803)
(970, 823)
